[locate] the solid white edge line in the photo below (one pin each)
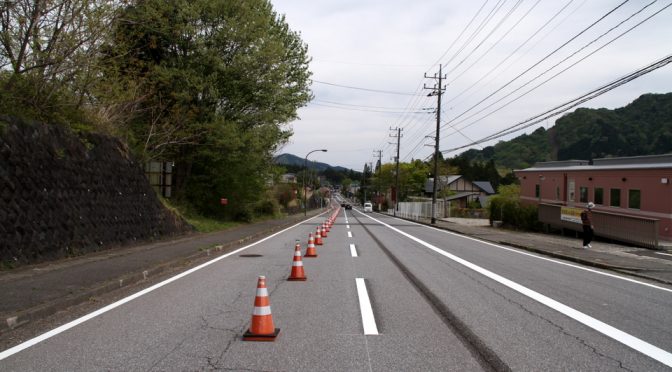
(537, 256)
(665, 254)
(368, 321)
(629, 340)
(13, 350)
(353, 251)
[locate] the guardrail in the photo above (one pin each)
(630, 229)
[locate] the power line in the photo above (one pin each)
(565, 69)
(364, 89)
(366, 110)
(518, 48)
(494, 29)
(570, 104)
(539, 62)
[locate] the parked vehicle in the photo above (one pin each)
(368, 207)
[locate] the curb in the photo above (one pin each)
(23, 317)
(620, 269)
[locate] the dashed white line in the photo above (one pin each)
(348, 226)
(353, 251)
(627, 339)
(349, 234)
(368, 320)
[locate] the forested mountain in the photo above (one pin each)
(644, 127)
(289, 159)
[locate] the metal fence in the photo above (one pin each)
(418, 210)
(630, 229)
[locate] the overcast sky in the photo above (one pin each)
(389, 45)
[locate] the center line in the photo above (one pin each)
(349, 234)
(368, 321)
(348, 226)
(353, 251)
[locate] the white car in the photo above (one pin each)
(368, 207)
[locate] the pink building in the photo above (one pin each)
(634, 186)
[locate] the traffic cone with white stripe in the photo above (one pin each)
(318, 236)
(310, 251)
(297, 273)
(262, 327)
(327, 225)
(324, 230)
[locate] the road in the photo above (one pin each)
(438, 301)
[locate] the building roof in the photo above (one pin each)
(443, 181)
(461, 195)
(632, 162)
(485, 186)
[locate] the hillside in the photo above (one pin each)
(289, 159)
(644, 127)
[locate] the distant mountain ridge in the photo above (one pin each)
(643, 127)
(289, 159)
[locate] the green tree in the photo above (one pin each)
(209, 84)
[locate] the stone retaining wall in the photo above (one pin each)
(62, 195)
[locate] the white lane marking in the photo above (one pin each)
(518, 251)
(368, 321)
(666, 254)
(347, 226)
(629, 340)
(11, 351)
(349, 234)
(353, 251)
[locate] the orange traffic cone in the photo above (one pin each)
(318, 236)
(262, 327)
(297, 265)
(310, 251)
(324, 230)
(327, 225)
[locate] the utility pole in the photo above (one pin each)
(396, 159)
(437, 90)
(379, 165)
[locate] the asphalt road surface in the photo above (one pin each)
(383, 294)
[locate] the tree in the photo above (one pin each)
(47, 54)
(209, 84)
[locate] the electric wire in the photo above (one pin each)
(496, 42)
(494, 29)
(567, 68)
(461, 93)
(569, 104)
(540, 61)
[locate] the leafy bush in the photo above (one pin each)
(506, 207)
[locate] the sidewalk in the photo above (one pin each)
(640, 262)
(37, 291)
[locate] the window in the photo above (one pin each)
(583, 194)
(557, 192)
(615, 197)
(599, 195)
(634, 199)
(537, 191)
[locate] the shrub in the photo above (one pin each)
(506, 207)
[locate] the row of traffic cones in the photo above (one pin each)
(262, 327)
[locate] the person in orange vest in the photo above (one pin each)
(588, 228)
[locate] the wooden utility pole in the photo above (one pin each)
(437, 90)
(396, 159)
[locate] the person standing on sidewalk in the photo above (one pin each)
(587, 221)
